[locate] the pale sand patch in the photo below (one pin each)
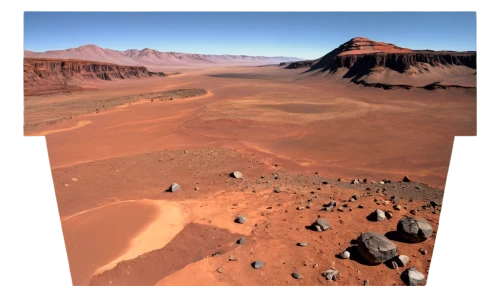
(78, 125)
(169, 222)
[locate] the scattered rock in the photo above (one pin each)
(331, 204)
(406, 179)
(355, 181)
(375, 248)
(395, 199)
(300, 208)
(330, 274)
(433, 204)
(315, 265)
(233, 258)
(366, 283)
(379, 214)
(241, 240)
(257, 264)
(402, 260)
(302, 243)
(397, 207)
(422, 251)
(237, 175)
(174, 187)
(240, 219)
(321, 224)
(296, 275)
(345, 254)
(413, 212)
(413, 277)
(388, 214)
(361, 206)
(413, 229)
(196, 188)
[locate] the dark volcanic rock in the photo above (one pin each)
(413, 229)
(375, 248)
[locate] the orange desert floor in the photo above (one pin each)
(111, 168)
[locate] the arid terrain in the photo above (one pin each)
(300, 133)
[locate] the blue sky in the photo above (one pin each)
(305, 35)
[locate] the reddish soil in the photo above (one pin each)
(276, 127)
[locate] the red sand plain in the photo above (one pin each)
(263, 121)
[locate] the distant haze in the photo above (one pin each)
(303, 35)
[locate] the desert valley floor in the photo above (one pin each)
(299, 141)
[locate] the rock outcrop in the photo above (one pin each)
(360, 57)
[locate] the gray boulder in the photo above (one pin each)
(174, 187)
(414, 229)
(258, 264)
(237, 175)
(375, 248)
(321, 224)
(240, 219)
(413, 277)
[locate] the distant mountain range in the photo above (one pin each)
(152, 58)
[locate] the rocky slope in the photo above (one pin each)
(47, 75)
(152, 58)
(366, 61)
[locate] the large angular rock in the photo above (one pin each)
(321, 224)
(413, 277)
(414, 229)
(375, 248)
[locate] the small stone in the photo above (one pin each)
(233, 258)
(406, 179)
(433, 204)
(413, 277)
(379, 214)
(413, 212)
(345, 254)
(388, 214)
(277, 190)
(355, 181)
(402, 260)
(219, 270)
(361, 206)
(366, 283)
(174, 187)
(330, 274)
(302, 243)
(321, 224)
(422, 251)
(257, 264)
(240, 219)
(66, 185)
(413, 229)
(237, 175)
(315, 265)
(300, 208)
(196, 188)
(397, 207)
(296, 275)
(241, 240)
(395, 199)
(74, 179)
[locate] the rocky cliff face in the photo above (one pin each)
(44, 68)
(361, 57)
(55, 74)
